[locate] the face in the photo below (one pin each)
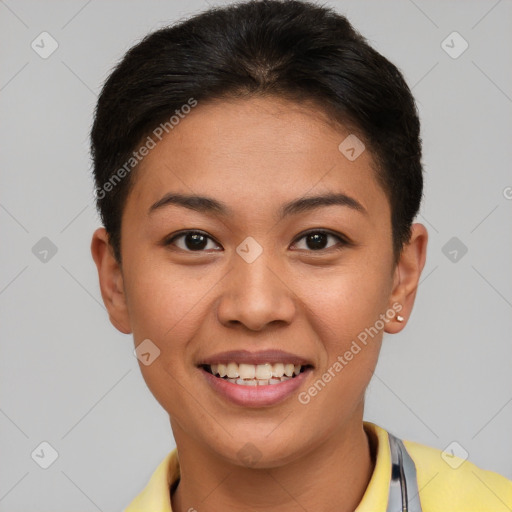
(261, 281)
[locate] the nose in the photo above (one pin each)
(255, 295)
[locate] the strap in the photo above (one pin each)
(403, 487)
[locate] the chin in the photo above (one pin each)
(258, 450)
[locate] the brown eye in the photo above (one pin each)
(191, 241)
(318, 240)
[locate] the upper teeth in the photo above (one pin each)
(255, 371)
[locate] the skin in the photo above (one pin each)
(254, 155)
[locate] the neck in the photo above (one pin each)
(333, 475)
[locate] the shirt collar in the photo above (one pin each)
(156, 495)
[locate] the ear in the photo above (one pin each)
(111, 281)
(406, 277)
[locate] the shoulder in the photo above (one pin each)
(155, 497)
(446, 480)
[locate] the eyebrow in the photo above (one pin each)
(209, 205)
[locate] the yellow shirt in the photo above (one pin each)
(442, 488)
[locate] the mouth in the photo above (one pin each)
(255, 379)
(244, 374)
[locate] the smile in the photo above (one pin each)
(255, 379)
(245, 374)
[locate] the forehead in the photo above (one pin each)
(256, 151)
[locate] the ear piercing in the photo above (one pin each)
(399, 318)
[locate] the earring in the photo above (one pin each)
(399, 318)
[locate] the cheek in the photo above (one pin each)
(163, 300)
(345, 310)
(342, 313)
(345, 302)
(165, 307)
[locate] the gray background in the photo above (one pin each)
(69, 378)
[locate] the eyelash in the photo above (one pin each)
(342, 240)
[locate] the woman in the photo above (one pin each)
(258, 170)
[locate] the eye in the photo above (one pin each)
(317, 240)
(192, 241)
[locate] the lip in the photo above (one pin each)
(260, 357)
(255, 396)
